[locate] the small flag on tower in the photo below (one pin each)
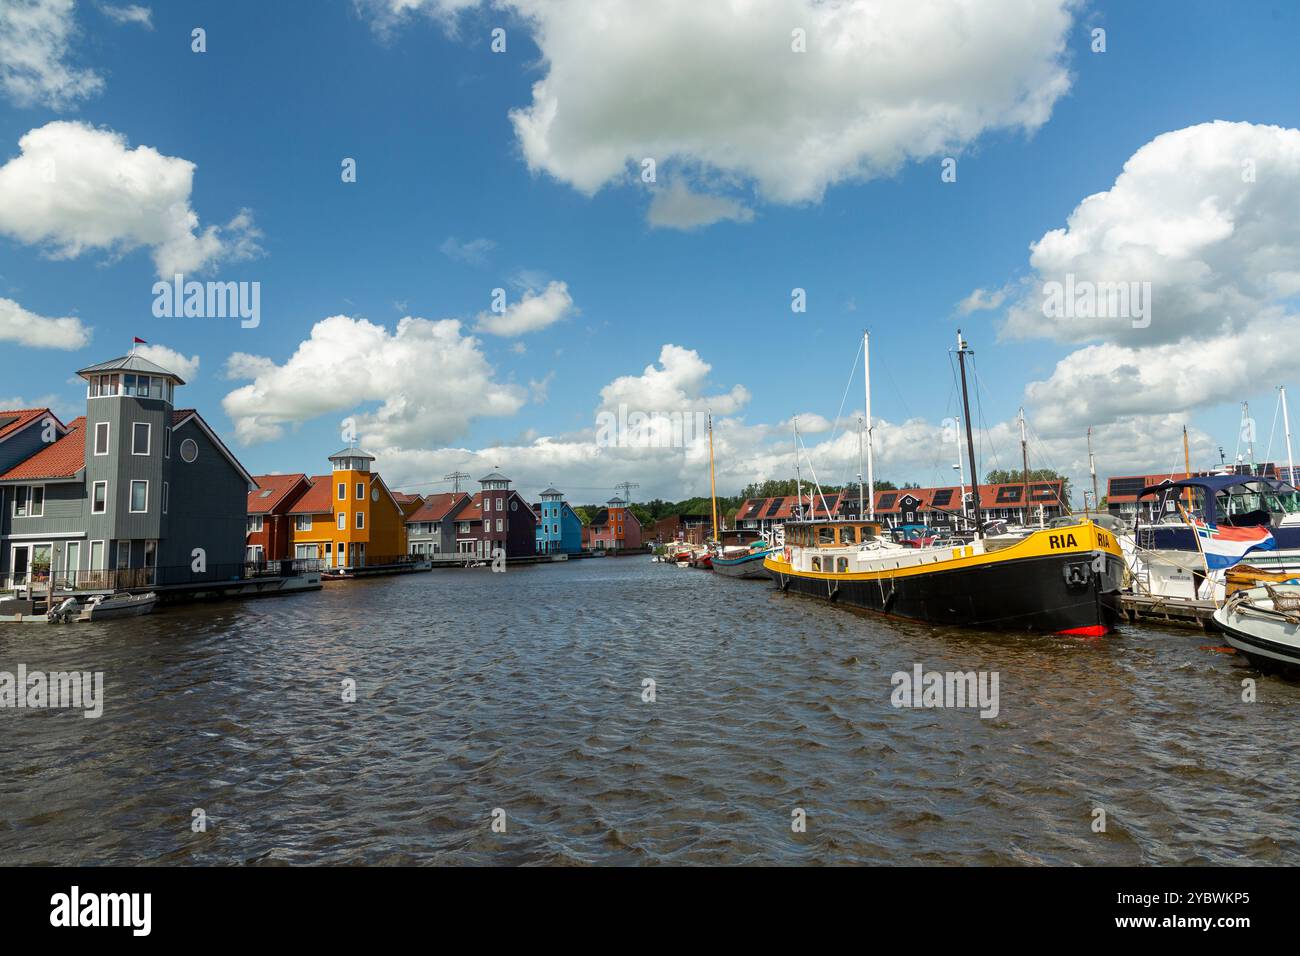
(139, 341)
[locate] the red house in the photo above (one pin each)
(270, 526)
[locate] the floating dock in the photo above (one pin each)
(1176, 611)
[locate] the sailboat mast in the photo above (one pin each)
(866, 384)
(861, 493)
(1187, 466)
(713, 489)
(1092, 469)
(1286, 426)
(798, 476)
(1024, 458)
(970, 437)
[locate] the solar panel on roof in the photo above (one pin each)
(774, 507)
(1009, 494)
(7, 420)
(941, 497)
(887, 501)
(1127, 486)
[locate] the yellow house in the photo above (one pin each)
(349, 518)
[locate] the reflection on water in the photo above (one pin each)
(523, 691)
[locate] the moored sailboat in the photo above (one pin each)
(1062, 580)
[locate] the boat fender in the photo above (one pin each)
(834, 595)
(785, 583)
(889, 600)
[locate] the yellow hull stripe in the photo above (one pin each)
(1084, 538)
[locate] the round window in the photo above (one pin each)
(514, 506)
(189, 450)
(374, 494)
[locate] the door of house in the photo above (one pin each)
(72, 563)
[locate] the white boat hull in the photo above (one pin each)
(1269, 639)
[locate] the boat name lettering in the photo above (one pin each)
(1061, 541)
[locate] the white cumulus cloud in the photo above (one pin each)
(37, 331)
(428, 379)
(170, 359)
(75, 188)
(35, 37)
(532, 313)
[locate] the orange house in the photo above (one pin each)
(349, 518)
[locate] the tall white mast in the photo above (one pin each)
(1286, 425)
(866, 381)
(798, 478)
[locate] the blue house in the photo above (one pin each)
(559, 529)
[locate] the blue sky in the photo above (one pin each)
(286, 91)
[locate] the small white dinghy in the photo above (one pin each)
(121, 604)
(1263, 623)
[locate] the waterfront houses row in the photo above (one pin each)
(350, 519)
(134, 492)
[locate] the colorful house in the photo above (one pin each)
(614, 528)
(497, 517)
(349, 518)
(436, 528)
(559, 529)
(270, 524)
(134, 494)
(939, 507)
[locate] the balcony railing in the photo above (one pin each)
(121, 579)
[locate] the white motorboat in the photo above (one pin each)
(1263, 623)
(120, 604)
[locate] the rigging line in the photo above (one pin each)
(845, 396)
(986, 433)
(1277, 409)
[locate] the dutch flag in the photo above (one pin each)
(1223, 547)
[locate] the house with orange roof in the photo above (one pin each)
(270, 525)
(136, 493)
(349, 519)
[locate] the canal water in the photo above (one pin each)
(523, 693)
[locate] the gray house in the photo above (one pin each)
(135, 493)
(436, 526)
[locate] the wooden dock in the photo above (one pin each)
(1176, 611)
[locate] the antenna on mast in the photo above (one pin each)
(455, 478)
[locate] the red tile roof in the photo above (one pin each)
(21, 418)
(319, 499)
(754, 509)
(436, 507)
(278, 485)
(62, 459)
(1040, 492)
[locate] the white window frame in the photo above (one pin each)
(117, 558)
(361, 491)
(341, 521)
(148, 439)
(166, 495)
(499, 529)
(360, 524)
(107, 426)
(487, 504)
(302, 522)
(343, 491)
(167, 442)
(93, 509)
(130, 501)
(103, 555)
(31, 501)
(255, 524)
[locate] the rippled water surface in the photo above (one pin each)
(523, 691)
